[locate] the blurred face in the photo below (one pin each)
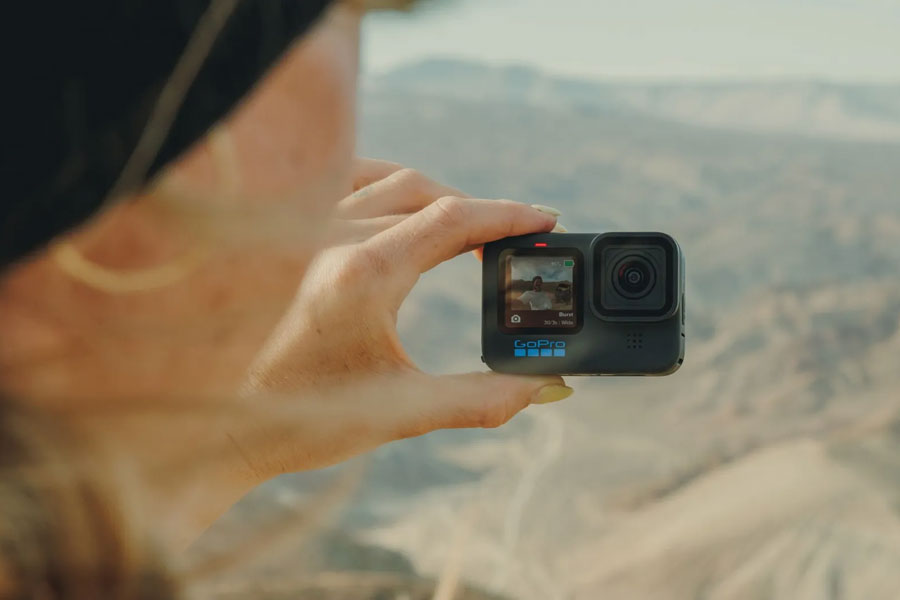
(285, 152)
(537, 284)
(209, 257)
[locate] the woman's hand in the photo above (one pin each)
(333, 380)
(337, 352)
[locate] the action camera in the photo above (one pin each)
(583, 304)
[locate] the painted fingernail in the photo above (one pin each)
(559, 229)
(549, 210)
(552, 393)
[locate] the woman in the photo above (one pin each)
(180, 167)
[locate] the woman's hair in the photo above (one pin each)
(65, 534)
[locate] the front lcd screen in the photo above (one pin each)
(541, 291)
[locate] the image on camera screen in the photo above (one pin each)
(540, 291)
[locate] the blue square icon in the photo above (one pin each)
(532, 352)
(559, 352)
(546, 352)
(519, 352)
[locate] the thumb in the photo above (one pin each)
(485, 400)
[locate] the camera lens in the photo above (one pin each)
(634, 277)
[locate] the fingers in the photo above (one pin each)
(358, 230)
(367, 171)
(452, 225)
(476, 400)
(400, 191)
(479, 252)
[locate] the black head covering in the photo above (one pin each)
(84, 77)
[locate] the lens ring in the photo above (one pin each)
(633, 277)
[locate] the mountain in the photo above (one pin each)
(769, 465)
(812, 108)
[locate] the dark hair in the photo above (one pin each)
(84, 81)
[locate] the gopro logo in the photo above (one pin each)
(539, 348)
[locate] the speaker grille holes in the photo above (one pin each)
(634, 341)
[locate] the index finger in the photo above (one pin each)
(453, 225)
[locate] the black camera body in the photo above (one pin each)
(583, 304)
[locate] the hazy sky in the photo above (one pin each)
(844, 40)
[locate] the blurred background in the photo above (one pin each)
(763, 135)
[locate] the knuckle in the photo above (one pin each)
(350, 268)
(451, 210)
(411, 178)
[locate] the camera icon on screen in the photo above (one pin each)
(515, 319)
